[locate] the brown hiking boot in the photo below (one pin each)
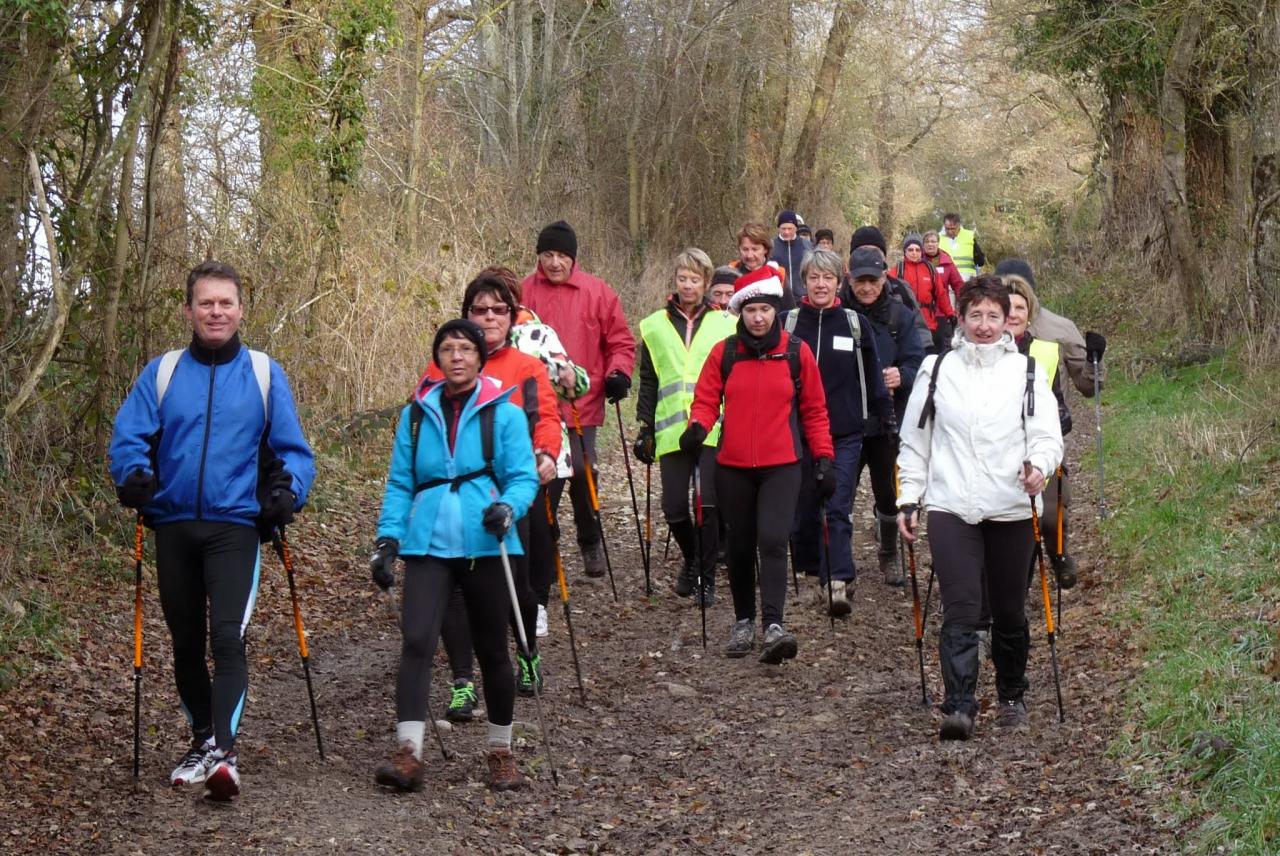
(593, 560)
(504, 775)
(402, 771)
(1010, 714)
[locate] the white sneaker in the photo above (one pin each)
(542, 621)
(194, 766)
(223, 782)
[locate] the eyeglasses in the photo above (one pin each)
(461, 349)
(498, 309)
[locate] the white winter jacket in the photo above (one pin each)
(967, 459)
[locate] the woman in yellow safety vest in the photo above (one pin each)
(1023, 308)
(674, 343)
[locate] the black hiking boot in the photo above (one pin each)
(890, 562)
(956, 726)
(682, 534)
(778, 645)
(742, 638)
(1065, 568)
(686, 580)
(1011, 714)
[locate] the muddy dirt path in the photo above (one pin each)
(676, 750)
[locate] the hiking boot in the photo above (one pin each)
(530, 674)
(223, 781)
(708, 596)
(890, 561)
(742, 638)
(462, 704)
(1011, 714)
(892, 570)
(956, 726)
(541, 630)
(504, 775)
(593, 561)
(402, 771)
(778, 645)
(1065, 568)
(840, 605)
(194, 766)
(686, 580)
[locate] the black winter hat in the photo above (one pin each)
(786, 215)
(467, 329)
(824, 233)
(912, 238)
(865, 235)
(724, 274)
(1016, 267)
(560, 237)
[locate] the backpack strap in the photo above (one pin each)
(728, 358)
(164, 374)
(1031, 388)
(789, 320)
(926, 412)
(791, 355)
(793, 361)
(855, 330)
(488, 418)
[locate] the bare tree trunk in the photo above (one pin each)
(885, 209)
(824, 87)
(1131, 218)
(1174, 207)
(1264, 278)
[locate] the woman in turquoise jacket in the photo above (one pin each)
(462, 471)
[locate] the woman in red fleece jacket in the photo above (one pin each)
(758, 465)
(930, 291)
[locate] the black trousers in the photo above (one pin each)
(207, 575)
(758, 506)
(428, 582)
(878, 456)
(960, 552)
(583, 513)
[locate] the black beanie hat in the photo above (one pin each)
(468, 330)
(724, 274)
(865, 235)
(824, 233)
(1016, 267)
(560, 237)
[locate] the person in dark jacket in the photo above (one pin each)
(766, 394)
(789, 250)
(674, 343)
(845, 349)
(870, 237)
(900, 356)
(208, 448)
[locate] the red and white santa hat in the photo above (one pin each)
(762, 283)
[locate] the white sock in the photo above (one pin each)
(411, 733)
(499, 736)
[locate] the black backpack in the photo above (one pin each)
(791, 355)
(487, 417)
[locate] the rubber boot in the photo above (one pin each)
(682, 534)
(890, 565)
(958, 653)
(1009, 648)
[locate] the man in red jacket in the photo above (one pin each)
(587, 314)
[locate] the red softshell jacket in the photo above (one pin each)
(587, 314)
(521, 372)
(761, 427)
(930, 291)
(948, 272)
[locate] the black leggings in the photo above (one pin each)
(541, 549)
(676, 470)
(584, 518)
(207, 575)
(758, 506)
(427, 584)
(878, 455)
(456, 630)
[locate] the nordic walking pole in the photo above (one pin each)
(564, 592)
(697, 546)
(137, 646)
(1048, 606)
(635, 506)
(1097, 418)
(826, 547)
(1057, 581)
(919, 617)
(435, 727)
(595, 497)
(666, 551)
(281, 543)
(524, 643)
(648, 516)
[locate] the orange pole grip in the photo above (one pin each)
(287, 556)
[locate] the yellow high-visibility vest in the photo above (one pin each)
(960, 248)
(678, 368)
(1045, 353)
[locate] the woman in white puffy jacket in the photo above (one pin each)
(978, 438)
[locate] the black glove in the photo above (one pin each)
(498, 518)
(383, 561)
(644, 446)
(824, 478)
(279, 508)
(692, 439)
(139, 488)
(1095, 345)
(616, 386)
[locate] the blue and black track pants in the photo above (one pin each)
(208, 581)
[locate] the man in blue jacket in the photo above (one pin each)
(844, 345)
(208, 448)
(789, 251)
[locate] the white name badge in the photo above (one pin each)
(842, 343)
